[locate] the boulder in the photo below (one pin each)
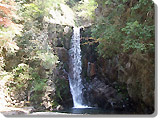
(97, 92)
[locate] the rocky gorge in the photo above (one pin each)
(122, 82)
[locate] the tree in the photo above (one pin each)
(125, 27)
(8, 29)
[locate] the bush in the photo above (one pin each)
(19, 82)
(25, 84)
(125, 29)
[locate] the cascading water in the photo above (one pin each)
(75, 80)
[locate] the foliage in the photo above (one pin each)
(30, 44)
(38, 87)
(109, 40)
(61, 13)
(62, 90)
(86, 8)
(34, 41)
(19, 81)
(48, 60)
(35, 47)
(128, 27)
(24, 79)
(8, 30)
(138, 37)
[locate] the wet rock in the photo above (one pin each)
(99, 93)
(59, 107)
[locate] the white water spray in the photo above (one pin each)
(75, 80)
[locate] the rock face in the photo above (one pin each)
(63, 94)
(60, 35)
(135, 70)
(91, 69)
(127, 72)
(99, 94)
(140, 83)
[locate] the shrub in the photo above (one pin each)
(19, 81)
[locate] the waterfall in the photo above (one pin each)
(75, 80)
